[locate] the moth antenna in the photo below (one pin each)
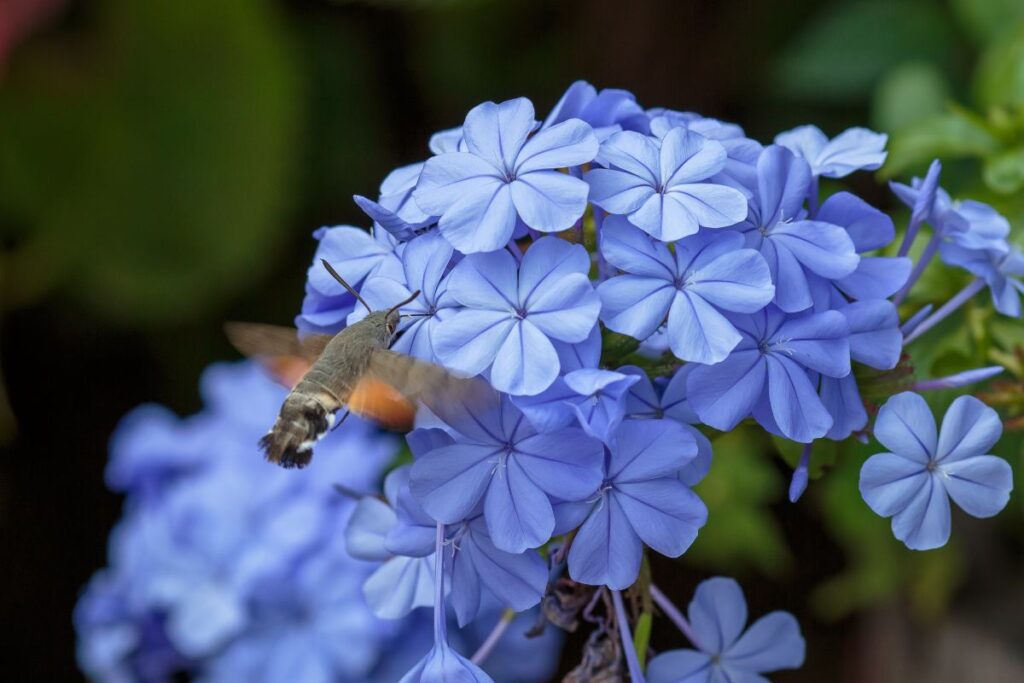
(414, 315)
(410, 299)
(347, 286)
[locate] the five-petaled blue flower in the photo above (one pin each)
(706, 274)
(855, 149)
(926, 467)
(767, 374)
(494, 455)
(793, 246)
(425, 262)
(726, 653)
(504, 176)
(513, 311)
(641, 500)
(662, 186)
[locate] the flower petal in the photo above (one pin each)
(796, 407)
(819, 342)
(517, 512)
(680, 666)
(711, 205)
(876, 277)
(649, 449)
(547, 261)
(606, 550)
(630, 249)
(446, 178)
(570, 143)
(633, 153)
(697, 332)
(567, 311)
(526, 362)
(738, 281)
(924, 523)
(980, 485)
(782, 182)
(486, 281)
(771, 643)
(888, 482)
(969, 428)
(905, 426)
(852, 150)
(549, 201)
(568, 464)
(399, 586)
(448, 482)
(616, 191)
(725, 393)
(665, 514)
(496, 132)
(822, 248)
(483, 219)
(470, 339)
(688, 157)
(635, 305)
(718, 613)
(842, 400)
(517, 580)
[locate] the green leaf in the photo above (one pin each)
(741, 531)
(845, 50)
(172, 140)
(988, 19)
(1004, 172)
(642, 637)
(999, 78)
(957, 133)
(909, 93)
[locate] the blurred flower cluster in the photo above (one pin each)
(628, 280)
(226, 568)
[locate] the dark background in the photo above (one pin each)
(163, 165)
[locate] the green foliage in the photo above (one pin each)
(877, 564)
(171, 139)
(741, 532)
(843, 52)
(908, 94)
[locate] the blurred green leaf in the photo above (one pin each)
(878, 566)
(909, 93)
(843, 52)
(999, 78)
(957, 133)
(1004, 172)
(150, 170)
(741, 532)
(987, 19)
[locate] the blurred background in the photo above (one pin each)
(163, 165)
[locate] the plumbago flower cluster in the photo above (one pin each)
(628, 279)
(226, 568)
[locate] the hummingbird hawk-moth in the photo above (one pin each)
(353, 369)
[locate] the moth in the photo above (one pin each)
(353, 369)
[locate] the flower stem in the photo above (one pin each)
(485, 649)
(440, 628)
(926, 256)
(673, 614)
(909, 236)
(955, 302)
(635, 673)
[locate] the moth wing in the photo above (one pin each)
(420, 382)
(377, 400)
(280, 350)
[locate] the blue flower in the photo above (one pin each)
(395, 210)
(767, 374)
(480, 193)
(655, 400)
(641, 501)
(356, 255)
(926, 467)
(855, 149)
(399, 535)
(708, 273)
(662, 186)
(725, 651)
(608, 111)
(495, 456)
(594, 398)
(740, 170)
(513, 312)
(875, 277)
(966, 223)
(1001, 271)
(479, 570)
(425, 262)
(793, 246)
